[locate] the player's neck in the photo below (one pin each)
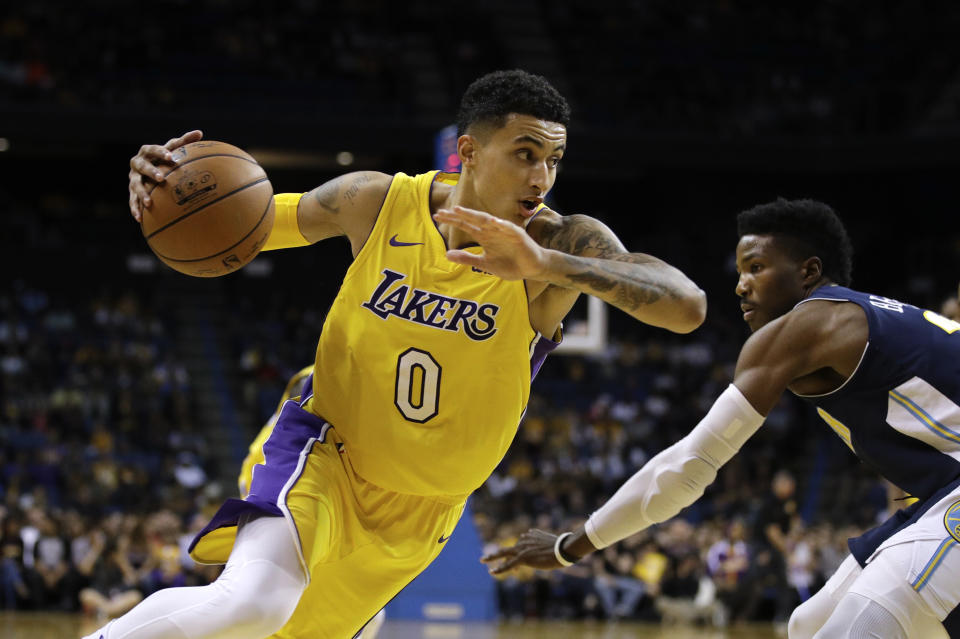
(462, 194)
(458, 195)
(821, 283)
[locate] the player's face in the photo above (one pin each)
(770, 283)
(516, 165)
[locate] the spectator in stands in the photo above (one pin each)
(617, 587)
(772, 526)
(19, 585)
(114, 582)
(52, 562)
(728, 560)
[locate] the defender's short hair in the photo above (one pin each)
(810, 228)
(492, 97)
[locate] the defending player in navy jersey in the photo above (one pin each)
(884, 375)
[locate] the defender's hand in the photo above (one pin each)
(144, 174)
(534, 548)
(508, 251)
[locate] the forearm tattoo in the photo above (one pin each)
(580, 236)
(631, 289)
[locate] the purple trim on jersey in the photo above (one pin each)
(543, 348)
(294, 428)
(306, 389)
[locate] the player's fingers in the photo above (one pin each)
(186, 138)
(449, 217)
(506, 566)
(473, 214)
(137, 185)
(536, 534)
(135, 206)
(154, 154)
(465, 257)
(146, 168)
(138, 189)
(500, 553)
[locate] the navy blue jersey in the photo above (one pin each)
(900, 410)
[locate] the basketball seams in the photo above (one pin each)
(229, 248)
(202, 157)
(203, 206)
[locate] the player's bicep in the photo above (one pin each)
(346, 205)
(776, 355)
(580, 235)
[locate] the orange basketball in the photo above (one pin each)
(213, 213)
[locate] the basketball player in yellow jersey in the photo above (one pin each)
(422, 370)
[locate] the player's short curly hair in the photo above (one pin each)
(809, 228)
(492, 97)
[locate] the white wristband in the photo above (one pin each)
(556, 550)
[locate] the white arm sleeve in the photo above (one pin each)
(677, 476)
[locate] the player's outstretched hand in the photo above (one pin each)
(508, 251)
(534, 548)
(144, 173)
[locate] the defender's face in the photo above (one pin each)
(515, 166)
(770, 283)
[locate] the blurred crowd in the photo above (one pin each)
(746, 69)
(102, 468)
(690, 68)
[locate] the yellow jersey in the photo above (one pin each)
(423, 366)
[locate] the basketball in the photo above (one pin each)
(213, 213)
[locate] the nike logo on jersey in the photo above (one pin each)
(443, 539)
(476, 321)
(395, 242)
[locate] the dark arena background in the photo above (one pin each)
(129, 393)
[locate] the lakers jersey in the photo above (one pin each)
(423, 366)
(900, 410)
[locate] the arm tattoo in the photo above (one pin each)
(631, 290)
(355, 187)
(580, 235)
(327, 194)
(596, 281)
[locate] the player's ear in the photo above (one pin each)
(467, 148)
(811, 270)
